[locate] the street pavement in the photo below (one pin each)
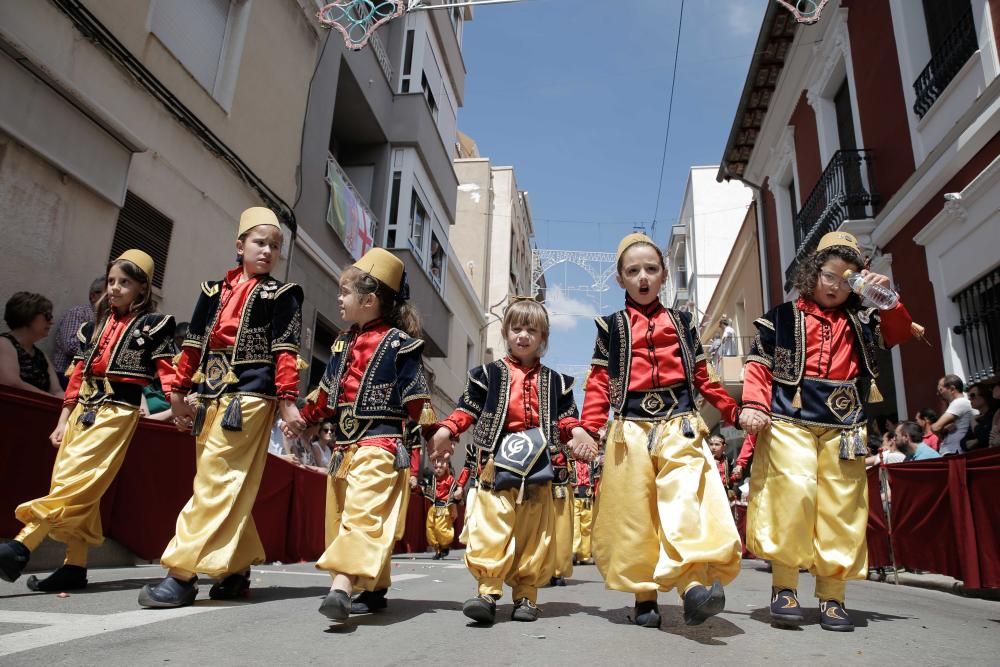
(581, 624)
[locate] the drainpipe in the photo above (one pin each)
(761, 250)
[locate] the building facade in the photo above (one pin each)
(882, 119)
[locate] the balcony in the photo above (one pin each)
(845, 191)
(956, 49)
(435, 316)
(347, 211)
(979, 326)
(728, 363)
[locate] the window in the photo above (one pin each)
(418, 223)
(206, 38)
(142, 226)
(404, 85)
(321, 349)
(429, 95)
(438, 259)
(390, 238)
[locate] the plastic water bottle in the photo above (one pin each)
(883, 298)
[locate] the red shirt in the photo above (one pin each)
(831, 351)
(522, 405)
(442, 487)
(233, 297)
(656, 362)
(112, 332)
(723, 469)
(746, 451)
(932, 441)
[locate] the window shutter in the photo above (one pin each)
(142, 226)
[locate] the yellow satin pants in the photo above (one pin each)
(365, 515)
(439, 528)
(808, 508)
(87, 462)
(662, 519)
(562, 535)
(511, 543)
(216, 534)
(583, 516)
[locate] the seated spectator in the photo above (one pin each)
(981, 398)
(22, 365)
(954, 424)
(925, 418)
(66, 344)
(910, 441)
(887, 454)
(995, 430)
(324, 443)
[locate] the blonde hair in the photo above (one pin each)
(529, 313)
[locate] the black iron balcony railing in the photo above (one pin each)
(979, 326)
(845, 191)
(956, 49)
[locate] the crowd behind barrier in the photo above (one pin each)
(945, 513)
(140, 509)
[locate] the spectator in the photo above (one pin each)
(887, 454)
(22, 365)
(925, 418)
(66, 344)
(995, 430)
(728, 337)
(910, 441)
(981, 398)
(953, 425)
(717, 445)
(324, 443)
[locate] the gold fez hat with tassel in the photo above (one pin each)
(256, 216)
(630, 241)
(383, 266)
(842, 239)
(140, 259)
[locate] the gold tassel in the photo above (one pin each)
(797, 399)
(69, 370)
(87, 389)
(176, 360)
(300, 364)
(198, 377)
(713, 375)
(874, 395)
(107, 387)
(312, 396)
(489, 472)
(427, 416)
(345, 463)
(520, 494)
(230, 377)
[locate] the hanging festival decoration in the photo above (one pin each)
(805, 11)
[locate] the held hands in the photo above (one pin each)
(582, 446)
(458, 494)
(753, 421)
(737, 473)
(413, 483)
(294, 423)
(876, 278)
(441, 446)
(181, 409)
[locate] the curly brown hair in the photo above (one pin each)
(808, 272)
(397, 313)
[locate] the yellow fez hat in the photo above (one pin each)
(383, 266)
(257, 215)
(140, 259)
(842, 239)
(630, 241)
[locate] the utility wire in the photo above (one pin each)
(670, 109)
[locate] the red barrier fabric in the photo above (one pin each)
(945, 512)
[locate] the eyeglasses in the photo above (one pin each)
(326, 430)
(47, 315)
(833, 280)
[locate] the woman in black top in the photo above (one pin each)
(22, 365)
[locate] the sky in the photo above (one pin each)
(574, 94)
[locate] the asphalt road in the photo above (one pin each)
(581, 623)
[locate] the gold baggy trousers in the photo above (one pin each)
(439, 527)
(583, 517)
(562, 535)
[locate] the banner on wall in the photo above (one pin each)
(347, 214)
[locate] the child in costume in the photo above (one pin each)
(240, 364)
(122, 352)
(372, 384)
(717, 446)
(811, 370)
(442, 510)
(660, 521)
(522, 411)
(583, 511)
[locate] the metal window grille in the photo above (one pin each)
(956, 48)
(979, 326)
(143, 227)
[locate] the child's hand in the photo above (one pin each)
(876, 278)
(458, 494)
(582, 445)
(56, 437)
(413, 483)
(737, 473)
(441, 446)
(181, 409)
(753, 421)
(290, 415)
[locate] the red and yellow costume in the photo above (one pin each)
(442, 510)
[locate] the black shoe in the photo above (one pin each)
(647, 614)
(444, 554)
(481, 609)
(436, 556)
(169, 593)
(833, 616)
(14, 556)
(702, 602)
(66, 578)
(525, 611)
(557, 581)
(336, 606)
(786, 610)
(367, 602)
(234, 586)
